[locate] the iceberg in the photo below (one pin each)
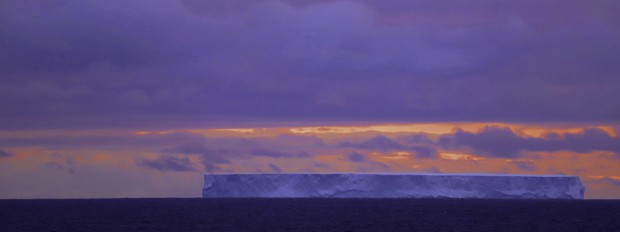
(392, 185)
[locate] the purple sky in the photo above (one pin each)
(171, 63)
(125, 91)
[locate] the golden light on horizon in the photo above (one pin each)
(458, 156)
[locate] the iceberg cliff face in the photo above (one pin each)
(350, 185)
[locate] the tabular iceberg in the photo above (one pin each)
(353, 185)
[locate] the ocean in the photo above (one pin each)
(309, 215)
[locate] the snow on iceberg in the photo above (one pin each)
(396, 185)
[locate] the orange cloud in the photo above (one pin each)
(281, 149)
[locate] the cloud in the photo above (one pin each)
(611, 181)
(277, 154)
(139, 63)
(424, 152)
(356, 157)
(385, 144)
(214, 152)
(124, 34)
(63, 162)
(101, 141)
(4, 153)
(168, 163)
(211, 152)
(490, 141)
(504, 143)
(210, 158)
(588, 140)
(275, 168)
(432, 170)
(525, 165)
(189, 149)
(377, 143)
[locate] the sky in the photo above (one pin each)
(139, 98)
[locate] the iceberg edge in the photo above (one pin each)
(392, 185)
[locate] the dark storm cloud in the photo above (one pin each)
(4, 153)
(505, 143)
(144, 63)
(168, 164)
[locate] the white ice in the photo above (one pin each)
(392, 185)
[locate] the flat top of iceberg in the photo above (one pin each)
(400, 173)
(393, 185)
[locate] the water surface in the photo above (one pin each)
(309, 215)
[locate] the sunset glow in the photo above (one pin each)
(140, 98)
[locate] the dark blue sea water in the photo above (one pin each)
(308, 215)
